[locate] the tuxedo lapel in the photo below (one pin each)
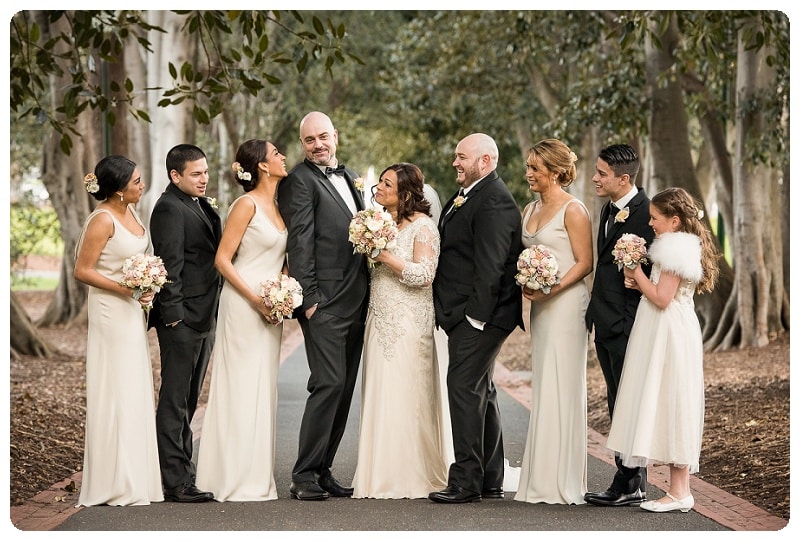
(196, 208)
(448, 211)
(469, 199)
(358, 197)
(634, 206)
(328, 186)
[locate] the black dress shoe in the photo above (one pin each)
(334, 487)
(454, 494)
(307, 491)
(614, 499)
(187, 493)
(493, 493)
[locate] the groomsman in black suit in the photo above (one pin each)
(317, 201)
(477, 304)
(186, 231)
(612, 307)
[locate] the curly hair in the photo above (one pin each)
(410, 190)
(678, 202)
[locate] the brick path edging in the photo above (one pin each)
(710, 501)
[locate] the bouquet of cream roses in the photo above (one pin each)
(629, 251)
(371, 231)
(538, 269)
(282, 296)
(144, 273)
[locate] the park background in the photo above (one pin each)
(703, 95)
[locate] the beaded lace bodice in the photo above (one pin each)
(685, 293)
(392, 297)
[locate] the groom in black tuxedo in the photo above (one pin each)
(317, 201)
(478, 304)
(186, 231)
(612, 307)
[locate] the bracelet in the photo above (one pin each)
(137, 294)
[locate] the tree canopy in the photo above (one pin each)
(703, 96)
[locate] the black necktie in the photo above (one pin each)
(612, 214)
(335, 170)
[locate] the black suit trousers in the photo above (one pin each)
(333, 347)
(185, 353)
(611, 355)
(474, 413)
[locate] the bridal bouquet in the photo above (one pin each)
(538, 269)
(282, 296)
(629, 251)
(371, 231)
(144, 273)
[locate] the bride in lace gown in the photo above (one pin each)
(120, 461)
(401, 452)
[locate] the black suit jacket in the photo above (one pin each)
(320, 256)
(480, 243)
(612, 307)
(186, 239)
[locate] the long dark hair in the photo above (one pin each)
(113, 174)
(250, 154)
(678, 202)
(410, 190)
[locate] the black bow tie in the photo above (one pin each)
(334, 170)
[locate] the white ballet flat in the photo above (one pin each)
(655, 506)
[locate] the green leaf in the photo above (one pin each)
(200, 115)
(319, 28)
(65, 144)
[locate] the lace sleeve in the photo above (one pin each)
(421, 271)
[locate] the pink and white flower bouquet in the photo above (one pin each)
(282, 296)
(371, 231)
(144, 272)
(538, 269)
(629, 251)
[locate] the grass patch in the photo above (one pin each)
(33, 283)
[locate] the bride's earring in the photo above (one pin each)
(120, 197)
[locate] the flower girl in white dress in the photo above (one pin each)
(659, 411)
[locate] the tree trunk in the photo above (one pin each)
(669, 162)
(174, 123)
(25, 338)
(758, 250)
(669, 158)
(139, 131)
(62, 175)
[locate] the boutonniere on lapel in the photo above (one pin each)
(359, 184)
(622, 215)
(458, 201)
(211, 201)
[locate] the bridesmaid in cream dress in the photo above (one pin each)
(554, 463)
(237, 445)
(120, 460)
(401, 452)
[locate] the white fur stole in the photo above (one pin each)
(679, 253)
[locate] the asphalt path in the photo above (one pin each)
(344, 518)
